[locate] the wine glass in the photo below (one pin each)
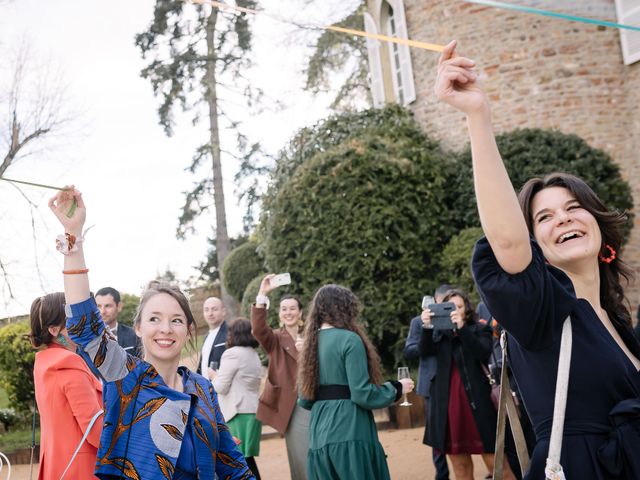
(426, 301)
(214, 365)
(403, 372)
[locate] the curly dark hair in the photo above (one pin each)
(610, 223)
(239, 334)
(339, 307)
(470, 315)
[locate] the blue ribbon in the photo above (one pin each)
(548, 13)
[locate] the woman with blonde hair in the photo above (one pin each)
(162, 421)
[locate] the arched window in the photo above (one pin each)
(389, 19)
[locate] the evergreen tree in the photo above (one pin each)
(197, 55)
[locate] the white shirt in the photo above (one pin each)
(206, 350)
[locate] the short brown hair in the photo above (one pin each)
(46, 311)
(239, 334)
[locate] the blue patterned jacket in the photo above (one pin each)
(144, 419)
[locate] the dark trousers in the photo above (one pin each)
(439, 458)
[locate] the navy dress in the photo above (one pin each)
(532, 306)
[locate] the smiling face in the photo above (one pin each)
(566, 232)
(290, 313)
(163, 329)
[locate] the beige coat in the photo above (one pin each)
(238, 381)
(280, 390)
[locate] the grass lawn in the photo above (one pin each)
(15, 440)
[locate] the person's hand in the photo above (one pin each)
(457, 319)
(299, 342)
(212, 374)
(457, 83)
(62, 205)
(265, 284)
(425, 316)
(407, 385)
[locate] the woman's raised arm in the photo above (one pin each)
(500, 215)
(76, 284)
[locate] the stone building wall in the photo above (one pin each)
(539, 72)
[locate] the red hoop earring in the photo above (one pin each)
(611, 257)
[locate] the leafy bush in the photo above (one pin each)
(129, 307)
(534, 152)
(249, 295)
(16, 365)
(9, 418)
(241, 266)
(455, 260)
(369, 209)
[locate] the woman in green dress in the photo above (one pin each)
(340, 382)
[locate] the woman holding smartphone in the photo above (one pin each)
(277, 406)
(462, 418)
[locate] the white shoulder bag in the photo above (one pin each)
(84, 437)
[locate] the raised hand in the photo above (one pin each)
(72, 219)
(425, 316)
(265, 285)
(457, 83)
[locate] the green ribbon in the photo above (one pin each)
(548, 13)
(74, 204)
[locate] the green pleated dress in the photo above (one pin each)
(343, 440)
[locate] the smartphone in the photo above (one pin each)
(441, 319)
(280, 279)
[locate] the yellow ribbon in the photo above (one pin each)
(385, 38)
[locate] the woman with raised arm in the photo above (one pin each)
(162, 421)
(552, 252)
(277, 406)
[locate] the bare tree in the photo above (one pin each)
(32, 113)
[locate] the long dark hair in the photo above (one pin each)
(340, 308)
(46, 311)
(610, 223)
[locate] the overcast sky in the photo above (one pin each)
(131, 175)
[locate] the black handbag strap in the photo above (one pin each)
(507, 407)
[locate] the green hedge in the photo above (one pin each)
(16, 365)
(370, 213)
(455, 261)
(241, 265)
(534, 152)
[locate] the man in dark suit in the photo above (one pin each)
(110, 306)
(214, 344)
(426, 371)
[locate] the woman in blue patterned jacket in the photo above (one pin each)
(161, 421)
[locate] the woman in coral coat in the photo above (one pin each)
(67, 393)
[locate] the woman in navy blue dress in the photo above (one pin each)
(554, 252)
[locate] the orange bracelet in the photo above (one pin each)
(75, 272)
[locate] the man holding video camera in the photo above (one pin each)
(426, 370)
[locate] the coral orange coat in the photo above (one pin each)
(68, 396)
